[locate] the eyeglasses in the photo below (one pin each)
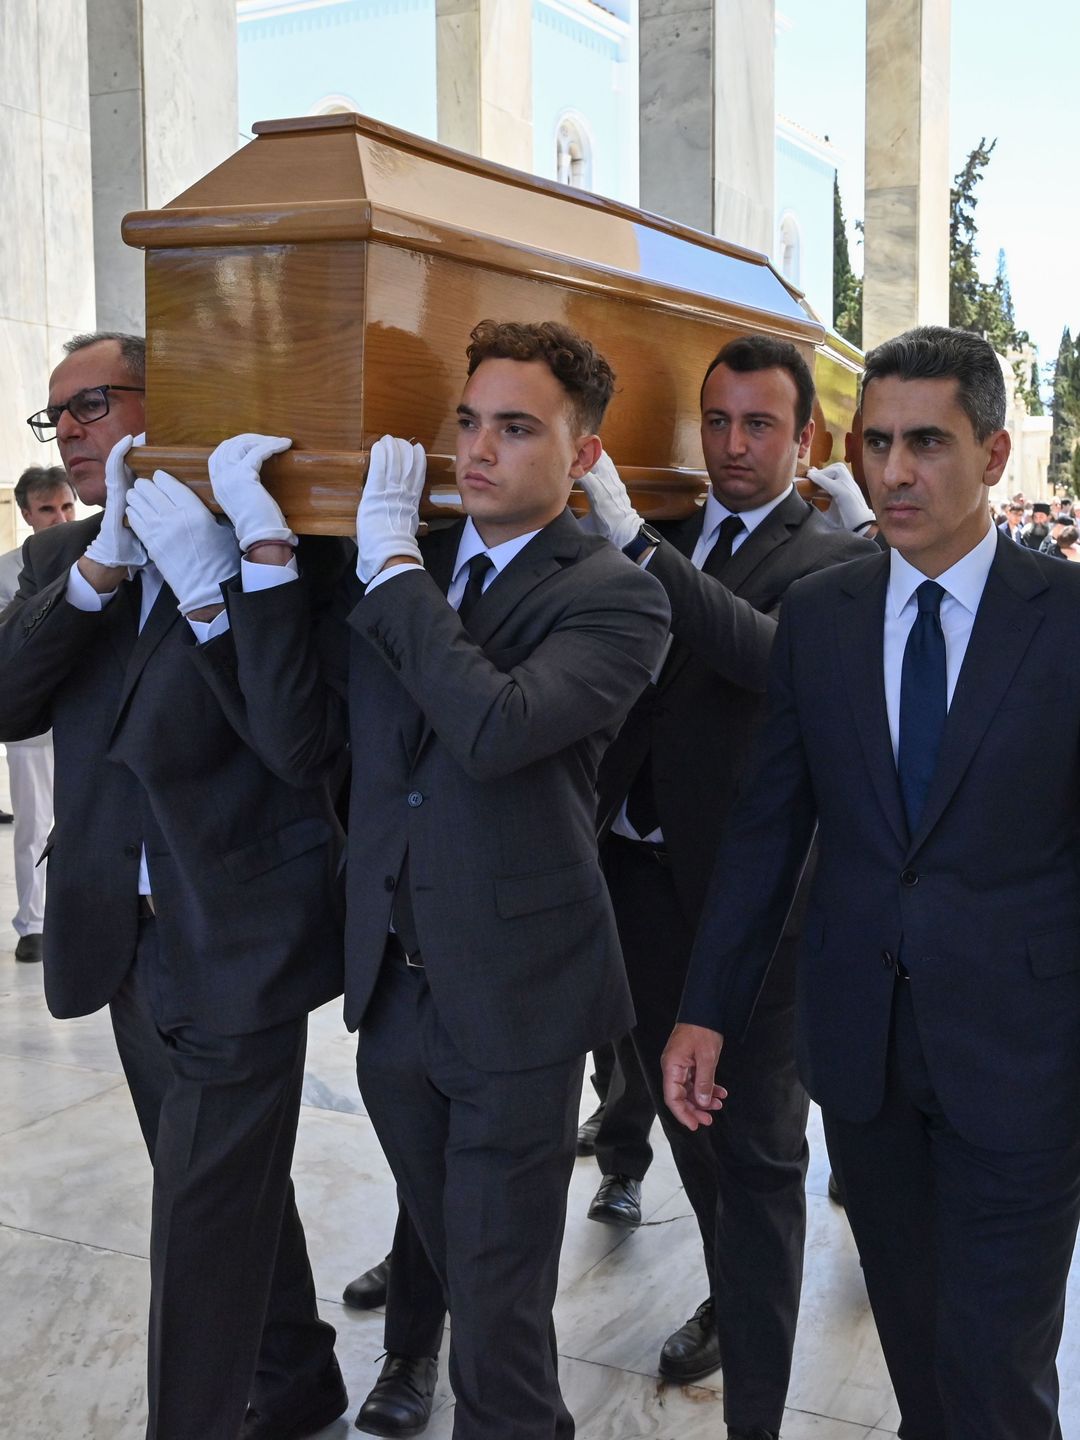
(85, 407)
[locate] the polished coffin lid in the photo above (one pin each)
(322, 282)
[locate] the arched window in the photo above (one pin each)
(790, 248)
(573, 154)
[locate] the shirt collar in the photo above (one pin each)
(964, 581)
(716, 513)
(500, 556)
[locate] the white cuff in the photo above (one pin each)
(254, 576)
(82, 594)
(388, 575)
(205, 630)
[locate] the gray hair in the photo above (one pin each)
(932, 352)
(132, 349)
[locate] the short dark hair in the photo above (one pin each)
(40, 480)
(1069, 535)
(764, 352)
(933, 352)
(578, 366)
(132, 349)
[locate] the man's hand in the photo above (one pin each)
(610, 510)
(234, 478)
(688, 1065)
(389, 512)
(192, 550)
(848, 511)
(115, 547)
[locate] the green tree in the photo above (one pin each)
(1066, 415)
(847, 286)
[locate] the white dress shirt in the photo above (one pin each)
(963, 584)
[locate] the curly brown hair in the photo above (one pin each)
(578, 366)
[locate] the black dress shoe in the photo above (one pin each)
(836, 1195)
(400, 1400)
(28, 950)
(368, 1291)
(6, 818)
(758, 1433)
(617, 1202)
(694, 1350)
(588, 1131)
(303, 1414)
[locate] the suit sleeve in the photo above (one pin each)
(279, 674)
(759, 861)
(41, 639)
(580, 678)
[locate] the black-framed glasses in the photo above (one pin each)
(85, 407)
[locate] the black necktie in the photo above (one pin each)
(923, 701)
(479, 566)
(403, 918)
(720, 554)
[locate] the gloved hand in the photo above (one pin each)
(848, 511)
(115, 544)
(234, 478)
(610, 509)
(390, 505)
(193, 551)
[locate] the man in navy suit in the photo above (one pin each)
(939, 973)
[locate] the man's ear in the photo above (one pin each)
(999, 449)
(589, 450)
(806, 436)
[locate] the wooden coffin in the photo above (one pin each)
(322, 283)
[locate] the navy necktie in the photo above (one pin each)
(479, 565)
(923, 701)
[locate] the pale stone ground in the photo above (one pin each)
(74, 1217)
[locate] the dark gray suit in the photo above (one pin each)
(209, 999)
(477, 752)
(950, 1097)
(743, 1176)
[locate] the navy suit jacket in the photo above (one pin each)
(979, 904)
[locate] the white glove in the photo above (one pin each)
(193, 551)
(390, 505)
(848, 511)
(234, 478)
(115, 544)
(610, 510)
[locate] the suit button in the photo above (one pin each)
(415, 798)
(909, 877)
(887, 959)
(389, 882)
(130, 850)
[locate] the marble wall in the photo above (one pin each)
(484, 78)
(708, 115)
(906, 267)
(163, 111)
(46, 262)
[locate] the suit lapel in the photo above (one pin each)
(159, 622)
(1004, 626)
(860, 629)
(774, 530)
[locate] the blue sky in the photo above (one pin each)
(1014, 76)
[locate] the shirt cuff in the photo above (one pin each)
(254, 576)
(205, 630)
(388, 575)
(82, 594)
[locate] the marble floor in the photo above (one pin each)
(74, 1216)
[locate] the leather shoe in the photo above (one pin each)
(694, 1350)
(588, 1131)
(303, 1414)
(368, 1291)
(758, 1433)
(28, 950)
(401, 1399)
(836, 1195)
(617, 1202)
(6, 818)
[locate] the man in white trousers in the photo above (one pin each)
(45, 497)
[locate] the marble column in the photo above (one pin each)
(46, 261)
(708, 115)
(163, 110)
(906, 243)
(484, 69)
